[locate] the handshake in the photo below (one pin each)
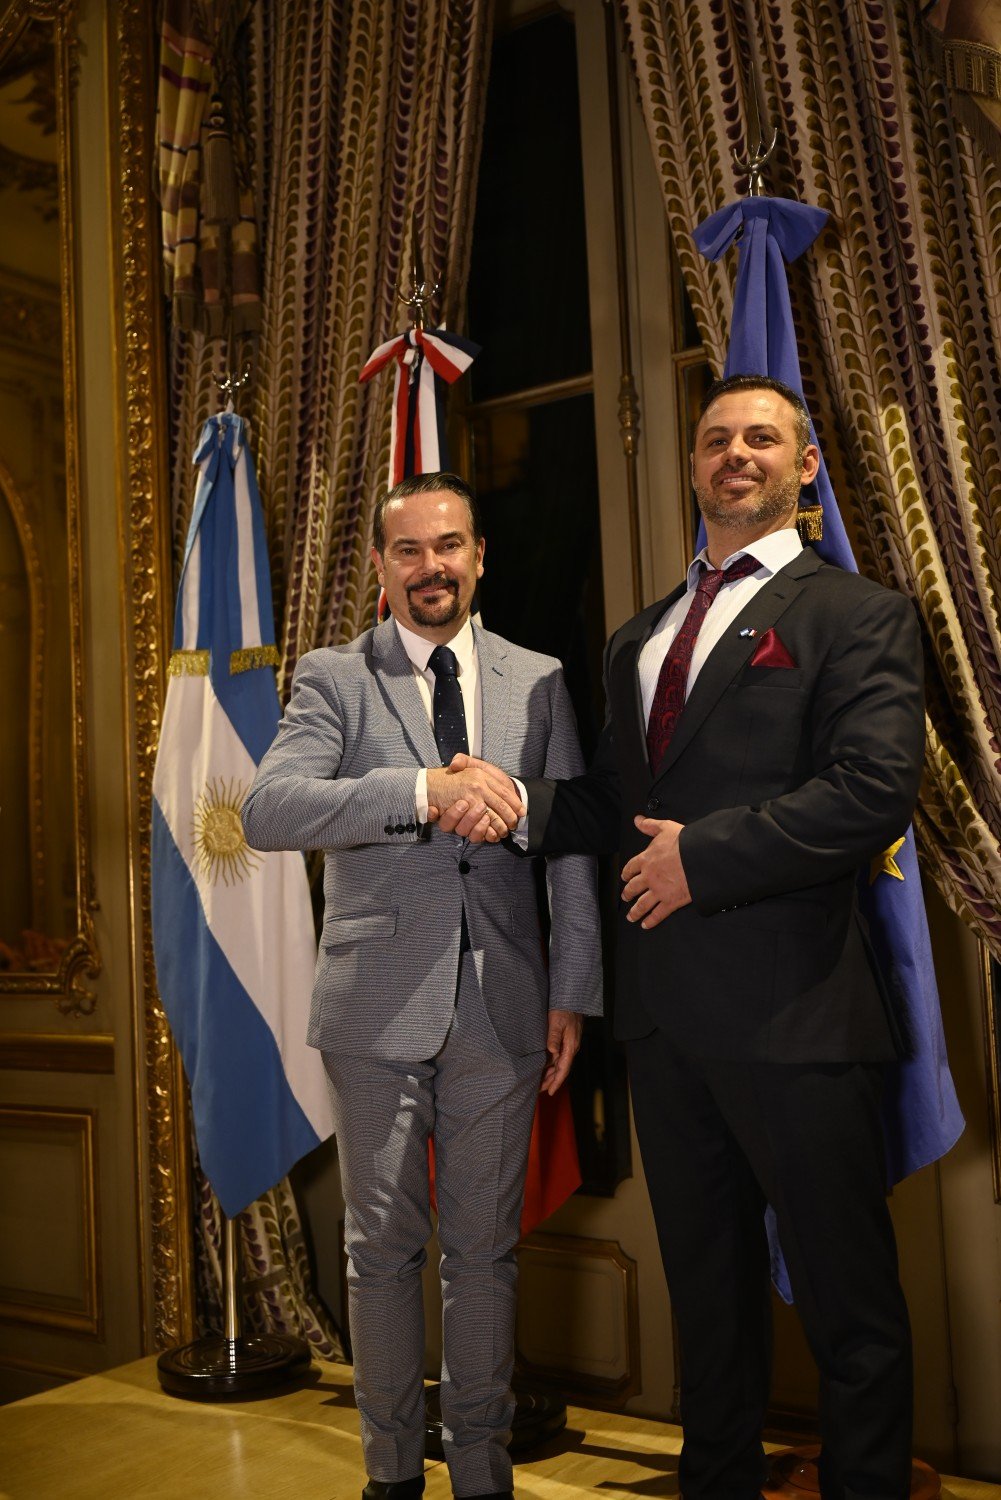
(481, 803)
(474, 799)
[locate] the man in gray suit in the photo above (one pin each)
(434, 1005)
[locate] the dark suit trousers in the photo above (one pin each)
(718, 1139)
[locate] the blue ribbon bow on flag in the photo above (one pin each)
(233, 934)
(921, 1115)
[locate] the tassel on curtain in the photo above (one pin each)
(902, 365)
(966, 45)
(208, 222)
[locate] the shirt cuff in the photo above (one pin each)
(421, 795)
(520, 834)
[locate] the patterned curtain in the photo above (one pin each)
(362, 114)
(899, 312)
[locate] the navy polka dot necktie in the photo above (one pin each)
(449, 710)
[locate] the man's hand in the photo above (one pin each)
(479, 802)
(655, 879)
(474, 799)
(562, 1044)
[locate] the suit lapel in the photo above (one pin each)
(495, 695)
(732, 652)
(395, 675)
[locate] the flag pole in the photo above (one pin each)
(759, 154)
(417, 300)
(230, 1285)
(228, 1364)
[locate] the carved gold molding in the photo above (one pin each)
(991, 1003)
(629, 408)
(80, 961)
(165, 1177)
(87, 1319)
(36, 605)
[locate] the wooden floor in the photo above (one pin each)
(116, 1436)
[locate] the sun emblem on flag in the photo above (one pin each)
(220, 843)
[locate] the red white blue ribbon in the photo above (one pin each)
(427, 360)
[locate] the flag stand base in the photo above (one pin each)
(538, 1416)
(793, 1475)
(215, 1367)
(228, 1364)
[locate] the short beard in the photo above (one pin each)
(442, 614)
(775, 500)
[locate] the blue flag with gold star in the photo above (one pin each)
(921, 1115)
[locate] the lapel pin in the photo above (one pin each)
(747, 632)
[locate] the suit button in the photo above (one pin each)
(410, 828)
(389, 828)
(464, 866)
(400, 828)
(652, 804)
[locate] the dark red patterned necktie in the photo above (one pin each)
(669, 699)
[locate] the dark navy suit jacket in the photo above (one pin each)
(789, 780)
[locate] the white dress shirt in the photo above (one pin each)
(463, 646)
(772, 552)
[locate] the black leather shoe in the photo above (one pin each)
(398, 1489)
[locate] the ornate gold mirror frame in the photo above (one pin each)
(144, 528)
(79, 960)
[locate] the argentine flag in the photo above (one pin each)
(233, 929)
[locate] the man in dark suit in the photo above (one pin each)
(763, 745)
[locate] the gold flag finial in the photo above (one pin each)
(417, 300)
(759, 151)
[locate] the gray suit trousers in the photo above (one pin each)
(478, 1102)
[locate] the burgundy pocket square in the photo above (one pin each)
(770, 652)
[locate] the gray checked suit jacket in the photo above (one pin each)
(341, 777)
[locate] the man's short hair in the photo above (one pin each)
(762, 383)
(424, 484)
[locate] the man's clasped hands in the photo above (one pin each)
(480, 802)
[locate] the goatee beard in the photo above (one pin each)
(775, 500)
(434, 614)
